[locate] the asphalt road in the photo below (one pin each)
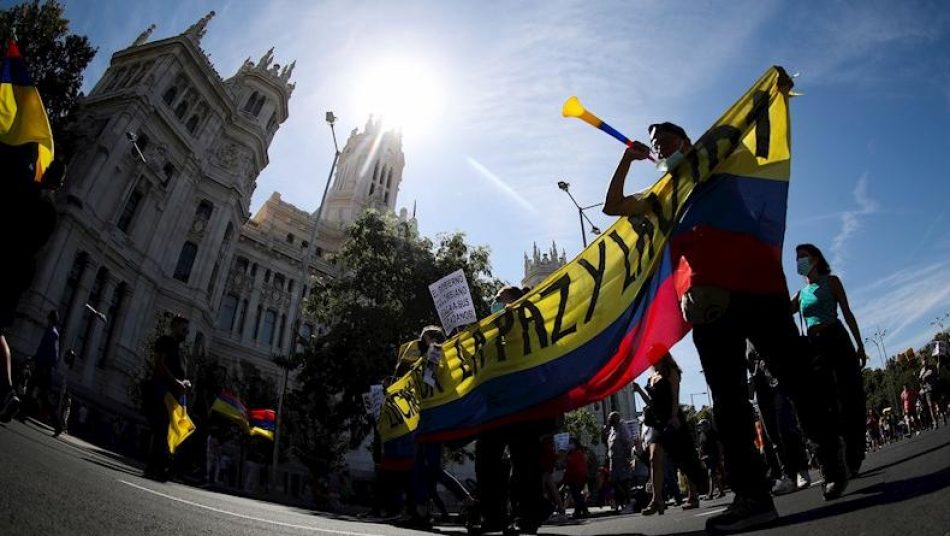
(63, 486)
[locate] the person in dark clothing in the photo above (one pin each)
(730, 296)
(710, 453)
(45, 359)
(27, 219)
(781, 428)
(168, 376)
(523, 442)
(664, 415)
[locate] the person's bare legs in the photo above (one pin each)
(9, 403)
(657, 503)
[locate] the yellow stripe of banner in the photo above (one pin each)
(564, 312)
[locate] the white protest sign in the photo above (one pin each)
(377, 396)
(453, 301)
(634, 428)
(368, 403)
(562, 441)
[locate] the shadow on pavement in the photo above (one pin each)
(115, 467)
(904, 459)
(879, 494)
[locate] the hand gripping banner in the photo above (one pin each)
(599, 321)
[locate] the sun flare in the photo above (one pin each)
(404, 94)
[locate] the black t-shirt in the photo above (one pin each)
(168, 347)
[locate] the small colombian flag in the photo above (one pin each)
(22, 114)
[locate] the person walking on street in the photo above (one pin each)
(929, 384)
(909, 403)
(818, 303)
(575, 476)
(619, 444)
(45, 359)
(168, 376)
(730, 298)
(670, 435)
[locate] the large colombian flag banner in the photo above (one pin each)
(598, 322)
(22, 115)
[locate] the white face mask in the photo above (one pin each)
(663, 165)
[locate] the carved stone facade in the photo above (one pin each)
(163, 225)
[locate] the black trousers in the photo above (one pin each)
(159, 459)
(764, 320)
(834, 348)
(681, 449)
(781, 427)
(523, 441)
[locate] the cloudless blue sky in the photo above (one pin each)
(869, 179)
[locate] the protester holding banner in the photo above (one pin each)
(818, 303)
(742, 296)
(670, 435)
(523, 441)
(168, 376)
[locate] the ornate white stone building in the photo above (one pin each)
(163, 225)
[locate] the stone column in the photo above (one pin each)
(77, 308)
(251, 316)
(98, 329)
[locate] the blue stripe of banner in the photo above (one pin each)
(14, 72)
(745, 205)
(507, 394)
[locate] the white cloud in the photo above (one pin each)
(902, 300)
(851, 221)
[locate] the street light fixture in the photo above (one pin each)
(877, 338)
(566, 187)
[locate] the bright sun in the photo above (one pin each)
(404, 94)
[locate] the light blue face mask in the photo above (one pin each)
(497, 306)
(665, 164)
(803, 266)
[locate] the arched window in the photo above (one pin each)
(181, 109)
(251, 102)
(169, 96)
(204, 210)
(258, 106)
(186, 260)
(72, 285)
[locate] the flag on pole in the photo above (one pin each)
(179, 423)
(231, 407)
(263, 423)
(22, 114)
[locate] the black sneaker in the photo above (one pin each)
(834, 489)
(11, 405)
(743, 514)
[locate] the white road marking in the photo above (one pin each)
(251, 518)
(709, 513)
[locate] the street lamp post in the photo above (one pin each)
(566, 188)
(878, 339)
(288, 363)
(331, 119)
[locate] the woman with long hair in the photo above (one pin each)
(818, 303)
(669, 435)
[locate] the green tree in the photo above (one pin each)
(379, 299)
(582, 425)
(56, 59)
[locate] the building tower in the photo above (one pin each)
(153, 203)
(540, 265)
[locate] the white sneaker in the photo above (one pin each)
(804, 480)
(783, 486)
